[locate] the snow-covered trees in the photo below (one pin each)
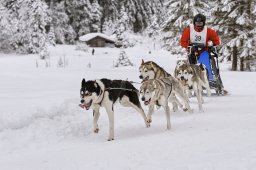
(235, 20)
(5, 27)
(30, 36)
(64, 32)
(24, 23)
(96, 15)
(179, 15)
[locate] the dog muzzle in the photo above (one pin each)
(86, 105)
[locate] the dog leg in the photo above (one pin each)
(175, 102)
(168, 115)
(141, 111)
(135, 103)
(150, 112)
(209, 93)
(206, 85)
(198, 96)
(180, 93)
(96, 115)
(110, 113)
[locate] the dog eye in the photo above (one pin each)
(146, 71)
(88, 94)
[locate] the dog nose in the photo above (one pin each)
(182, 78)
(143, 98)
(141, 77)
(82, 101)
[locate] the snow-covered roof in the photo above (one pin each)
(90, 36)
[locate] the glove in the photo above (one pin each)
(213, 49)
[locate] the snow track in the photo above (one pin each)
(42, 127)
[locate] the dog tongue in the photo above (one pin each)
(82, 105)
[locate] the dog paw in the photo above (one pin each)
(185, 109)
(96, 130)
(110, 139)
(149, 120)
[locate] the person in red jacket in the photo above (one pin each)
(198, 32)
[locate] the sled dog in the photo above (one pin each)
(105, 93)
(157, 91)
(194, 77)
(150, 70)
(201, 70)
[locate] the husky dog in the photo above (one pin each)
(105, 93)
(150, 70)
(157, 91)
(202, 72)
(194, 77)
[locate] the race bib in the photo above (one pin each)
(198, 37)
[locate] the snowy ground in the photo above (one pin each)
(42, 127)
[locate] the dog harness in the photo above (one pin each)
(198, 37)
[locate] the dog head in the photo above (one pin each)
(147, 90)
(146, 70)
(184, 73)
(90, 91)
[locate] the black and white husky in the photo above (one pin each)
(105, 93)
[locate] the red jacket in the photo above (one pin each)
(211, 36)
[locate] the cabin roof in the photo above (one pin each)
(90, 36)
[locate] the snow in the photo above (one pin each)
(90, 36)
(42, 127)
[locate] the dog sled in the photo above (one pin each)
(199, 54)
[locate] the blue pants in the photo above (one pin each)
(204, 58)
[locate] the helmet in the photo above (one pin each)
(199, 21)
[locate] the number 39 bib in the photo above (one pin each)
(198, 37)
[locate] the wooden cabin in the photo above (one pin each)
(97, 40)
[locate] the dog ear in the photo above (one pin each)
(83, 82)
(142, 62)
(152, 65)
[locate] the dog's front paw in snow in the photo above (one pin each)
(149, 120)
(147, 124)
(96, 130)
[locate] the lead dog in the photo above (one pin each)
(105, 93)
(150, 70)
(156, 92)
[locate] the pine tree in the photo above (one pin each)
(96, 15)
(121, 27)
(64, 32)
(79, 13)
(51, 36)
(123, 60)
